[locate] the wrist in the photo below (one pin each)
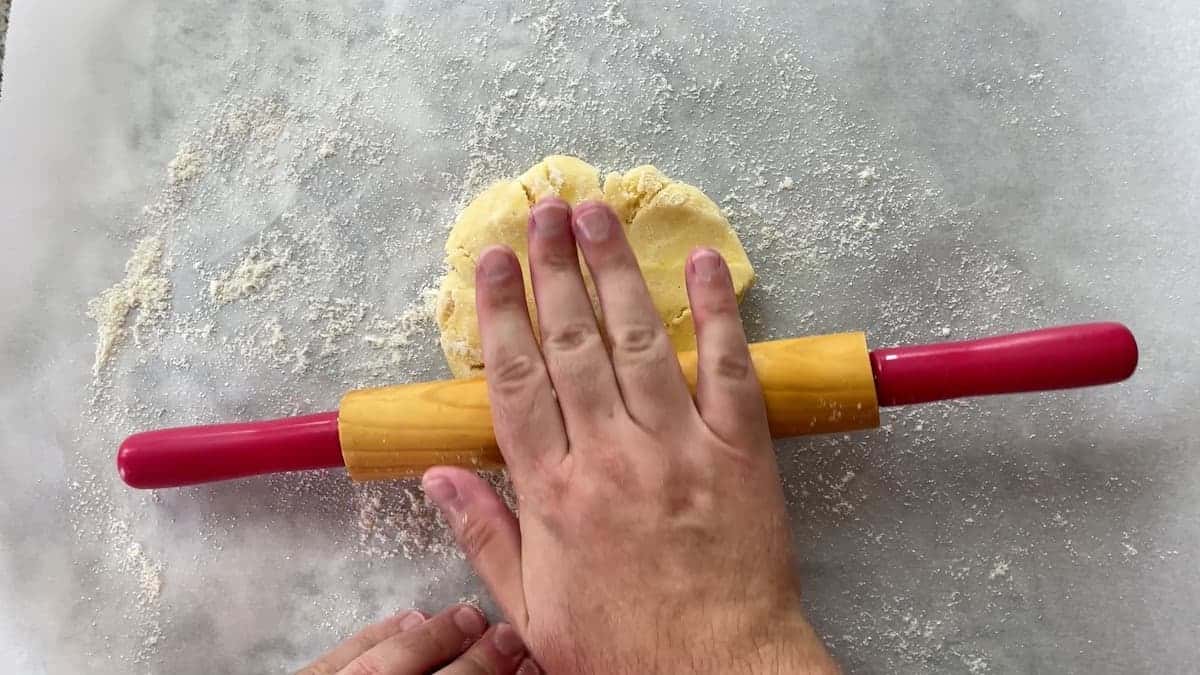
(740, 642)
(782, 645)
(802, 659)
(795, 650)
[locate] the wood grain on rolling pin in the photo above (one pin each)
(811, 385)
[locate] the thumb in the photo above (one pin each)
(486, 531)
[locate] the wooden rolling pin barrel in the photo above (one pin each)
(812, 385)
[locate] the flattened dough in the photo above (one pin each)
(664, 220)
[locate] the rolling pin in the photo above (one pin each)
(812, 385)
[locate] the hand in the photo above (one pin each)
(456, 641)
(653, 535)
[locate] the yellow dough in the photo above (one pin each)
(663, 219)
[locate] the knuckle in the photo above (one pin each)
(638, 339)
(367, 664)
(733, 366)
(371, 635)
(515, 373)
(447, 640)
(545, 496)
(503, 296)
(475, 662)
(555, 488)
(722, 304)
(476, 533)
(556, 524)
(595, 498)
(614, 466)
(551, 483)
(678, 502)
(571, 337)
(559, 259)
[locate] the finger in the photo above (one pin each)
(652, 385)
(350, 648)
(486, 531)
(528, 423)
(500, 652)
(728, 395)
(418, 650)
(573, 350)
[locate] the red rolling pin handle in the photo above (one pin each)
(1053, 358)
(190, 455)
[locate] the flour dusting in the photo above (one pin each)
(247, 278)
(187, 164)
(145, 291)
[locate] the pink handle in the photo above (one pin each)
(1053, 358)
(190, 455)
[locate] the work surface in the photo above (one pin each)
(279, 177)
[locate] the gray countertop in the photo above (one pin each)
(279, 177)
(4, 7)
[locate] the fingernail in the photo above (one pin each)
(495, 264)
(596, 223)
(706, 264)
(469, 621)
(507, 641)
(528, 667)
(550, 219)
(412, 620)
(441, 490)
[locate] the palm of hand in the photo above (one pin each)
(652, 534)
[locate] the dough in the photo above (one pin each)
(664, 220)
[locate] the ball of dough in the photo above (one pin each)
(663, 219)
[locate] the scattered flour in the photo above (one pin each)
(976, 665)
(246, 279)
(145, 289)
(187, 164)
(395, 336)
(328, 148)
(396, 521)
(999, 570)
(95, 519)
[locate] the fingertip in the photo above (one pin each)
(709, 286)
(702, 251)
(454, 489)
(507, 641)
(436, 472)
(411, 619)
(705, 264)
(552, 202)
(496, 248)
(453, 474)
(499, 651)
(589, 204)
(550, 218)
(469, 620)
(594, 221)
(439, 484)
(497, 264)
